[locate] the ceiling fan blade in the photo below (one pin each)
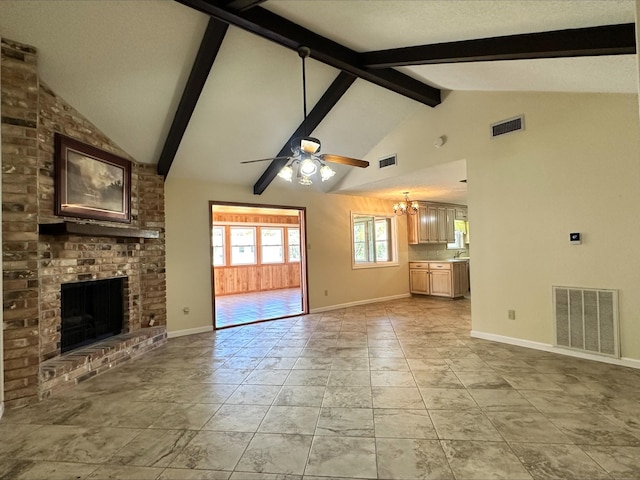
(354, 162)
(264, 159)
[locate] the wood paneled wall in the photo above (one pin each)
(229, 280)
(254, 219)
(255, 278)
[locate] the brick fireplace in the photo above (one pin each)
(41, 251)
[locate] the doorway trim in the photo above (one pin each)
(304, 273)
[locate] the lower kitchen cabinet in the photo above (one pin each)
(442, 279)
(440, 283)
(419, 281)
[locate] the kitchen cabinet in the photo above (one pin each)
(461, 213)
(419, 280)
(434, 223)
(461, 278)
(442, 279)
(450, 231)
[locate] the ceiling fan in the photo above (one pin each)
(307, 159)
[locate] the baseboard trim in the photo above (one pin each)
(546, 347)
(359, 302)
(189, 331)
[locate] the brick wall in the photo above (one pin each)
(34, 266)
(19, 109)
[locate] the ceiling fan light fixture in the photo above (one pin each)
(306, 181)
(306, 159)
(326, 173)
(308, 167)
(286, 173)
(310, 145)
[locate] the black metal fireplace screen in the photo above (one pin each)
(91, 311)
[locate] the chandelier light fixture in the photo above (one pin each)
(405, 207)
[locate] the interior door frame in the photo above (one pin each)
(304, 271)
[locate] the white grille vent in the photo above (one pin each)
(507, 126)
(587, 319)
(388, 161)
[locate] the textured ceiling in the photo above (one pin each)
(124, 64)
(365, 25)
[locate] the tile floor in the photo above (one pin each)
(253, 307)
(395, 390)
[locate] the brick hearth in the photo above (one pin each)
(34, 265)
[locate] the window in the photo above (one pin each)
(460, 229)
(243, 245)
(271, 240)
(217, 236)
(373, 240)
(293, 241)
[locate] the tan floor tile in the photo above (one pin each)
(348, 422)
(546, 462)
(125, 472)
(331, 396)
(153, 448)
(342, 457)
(464, 425)
(410, 458)
(237, 418)
(397, 397)
(293, 420)
(403, 423)
(210, 450)
(484, 461)
(276, 453)
(447, 399)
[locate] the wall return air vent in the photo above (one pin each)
(586, 319)
(388, 161)
(510, 125)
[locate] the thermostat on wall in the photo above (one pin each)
(574, 238)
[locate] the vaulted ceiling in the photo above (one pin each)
(230, 72)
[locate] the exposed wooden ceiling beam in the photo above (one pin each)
(335, 91)
(577, 42)
(241, 5)
(209, 47)
(284, 32)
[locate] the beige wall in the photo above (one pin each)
(328, 244)
(574, 169)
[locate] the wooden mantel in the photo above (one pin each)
(94, 230)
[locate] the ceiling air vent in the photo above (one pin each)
(507, 126)
(388, 161)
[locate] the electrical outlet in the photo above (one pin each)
(511, 314)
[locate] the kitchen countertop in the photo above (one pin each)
(443, 260)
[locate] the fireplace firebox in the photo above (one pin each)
(91, 311)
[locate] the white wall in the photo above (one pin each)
(575, 168)
(328, 248)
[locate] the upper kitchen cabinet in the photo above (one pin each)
(461, 212)
(434, 223)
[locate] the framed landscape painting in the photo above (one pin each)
(91, 183)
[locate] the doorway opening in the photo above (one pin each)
(258, 263)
